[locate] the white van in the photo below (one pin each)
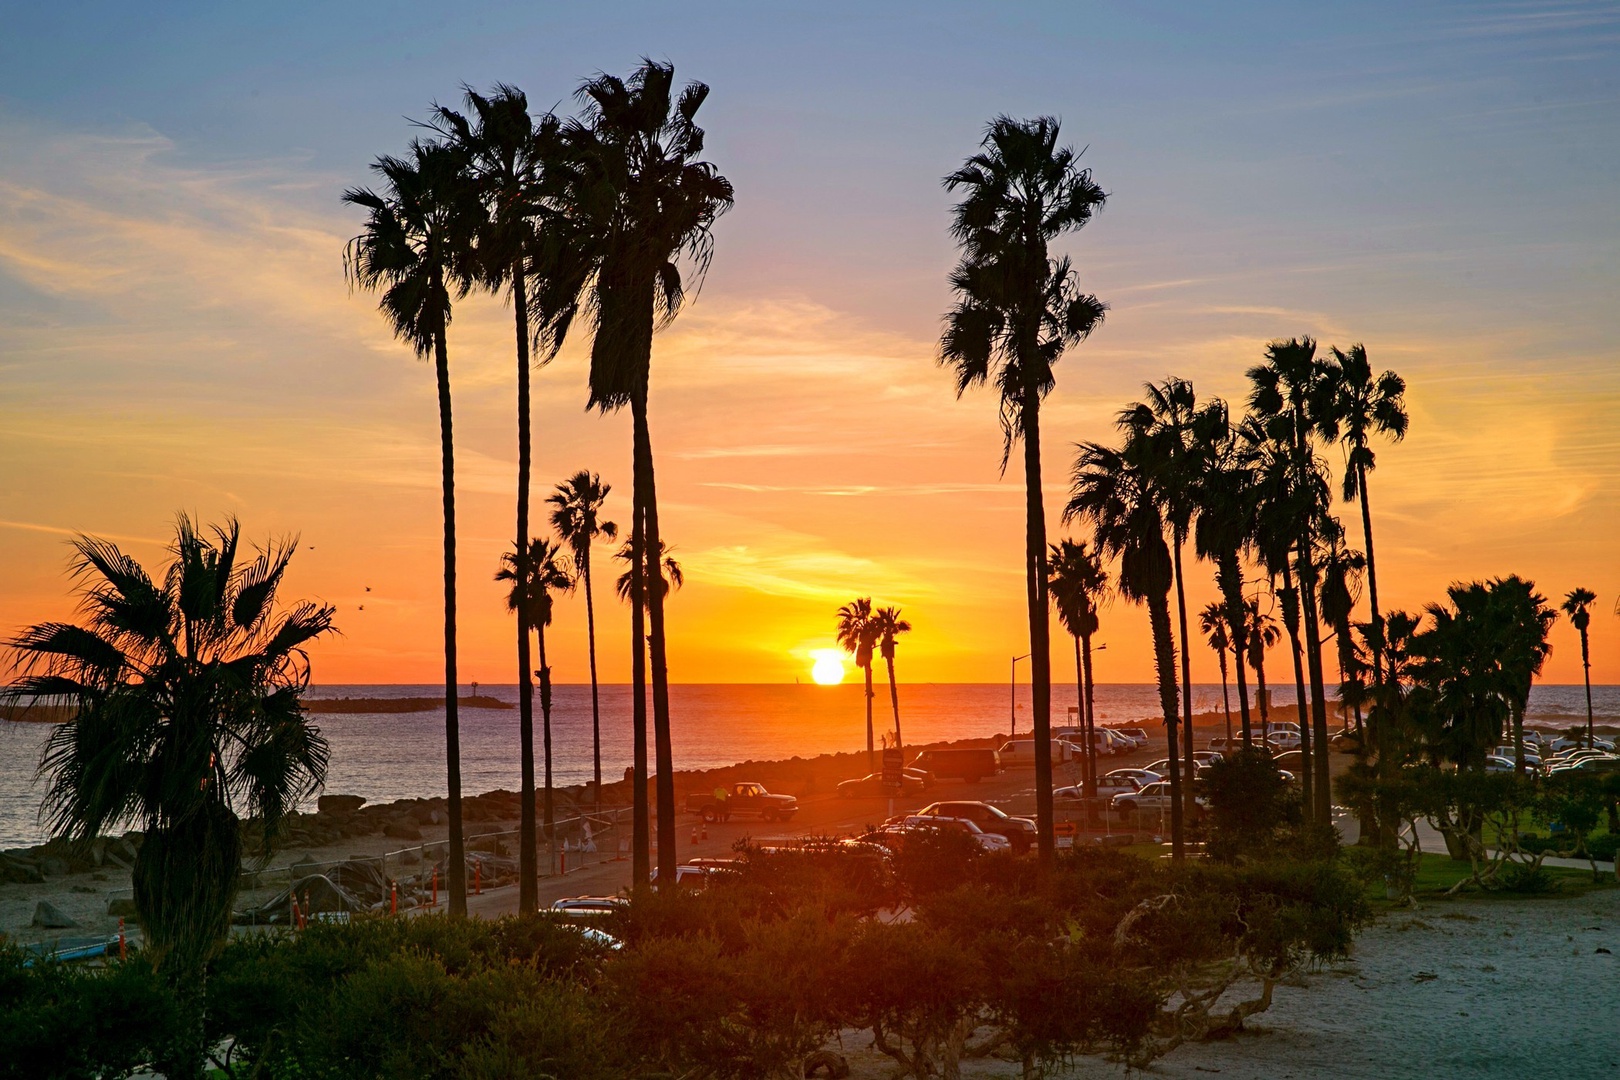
(1020, 753)
(1106, 741)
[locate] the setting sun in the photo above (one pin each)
(828, 669)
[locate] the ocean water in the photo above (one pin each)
(385, 756)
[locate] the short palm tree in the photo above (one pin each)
(1577, 605)
(1078, 584)
(1291, 395)
(1523, 621)
(415, 247)
(1457, 660)
(547, 575)
(635, 205)
(1362, 405)
(1017, 311)
(670, 574)
(888, 626)
(1116, 491)
(1212, 623)
(186, 690)
(505, 151)
(576, 514)
(1260, 634)
(1342, 568)
(857, 635)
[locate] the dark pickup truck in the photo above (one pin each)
(744, 798)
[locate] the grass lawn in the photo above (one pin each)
(1438, 873)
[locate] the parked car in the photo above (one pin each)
(1566, 743)
(1221, 744)
(741, 798)
(871, 786)
(1289, 760)
(959, 762)
(1344, 742)
(1496, 763)
(1154, 797)
(1207, 757)
(1019, 832)
(1020, 753)
(1107, 787)
(1138, 737)
(687, 874)
(1142, 777)
(589, 907)
(988, 841)
(1603, 763)
(1283, 740)
(1530, 756)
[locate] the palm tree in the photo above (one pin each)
(1523, 620)
(185, 689)
(637, 204)
(576, 508)
(1457, 661)
(1212, 623)
(888, 626)
(670, 574)
(1577, 606)
(1228, 503)
(1117, 492)
(1290, 394)
(1361, 406)
(1260, 633)
(414, 247)
(1017, 311)
(1078, 583)
(1170, 419)
(546, 575)
(1342, 568)
(505, 152)
(857, 634)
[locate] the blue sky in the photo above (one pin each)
(1438, 180)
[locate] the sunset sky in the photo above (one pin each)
(1441, 182)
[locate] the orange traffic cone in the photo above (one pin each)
(694, 834)
(705, 832)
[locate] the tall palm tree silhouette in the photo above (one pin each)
(888, 626)
(186, 691)
(637, 206)
(506, 151)
(1117, 492)
(1017, 311)
(1291, 394)
(858, 634)
(670, 574)
(1078, 584)
(1212, 624)
(1577, 605)
(1342, 568)
(576, 514)
(1361, 406)
(415, 247)
(1228, 503)
(1169, 418)
(547, 575)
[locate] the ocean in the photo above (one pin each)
(386, 756)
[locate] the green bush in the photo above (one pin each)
(77, 1023)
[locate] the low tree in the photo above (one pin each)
(1212, 622)
(186, 689)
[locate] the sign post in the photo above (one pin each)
(893, 773)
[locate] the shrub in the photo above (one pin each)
(1252, 808)
(68, 1021)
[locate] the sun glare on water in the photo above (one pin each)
(828, 669)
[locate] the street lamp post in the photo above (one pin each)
(1012, 694)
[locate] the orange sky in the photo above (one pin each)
(175, 333)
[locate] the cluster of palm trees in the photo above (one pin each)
(866, 632)
(604, 218)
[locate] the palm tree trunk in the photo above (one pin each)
(1586, 669)
(1313, 661)
(456, 870)
(664, 757)
(1186, 664)
(596, 707)
(1372, 577)
(1259, 661)
(545, 727)
(871, 760)
(1091, 723)
(1226, 701)
(641, 840)
(1230, 580)
(1290, 602)
(528, 869)
(1080, 715)
(1040, 651)
(1164, 662)
(894, 702)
